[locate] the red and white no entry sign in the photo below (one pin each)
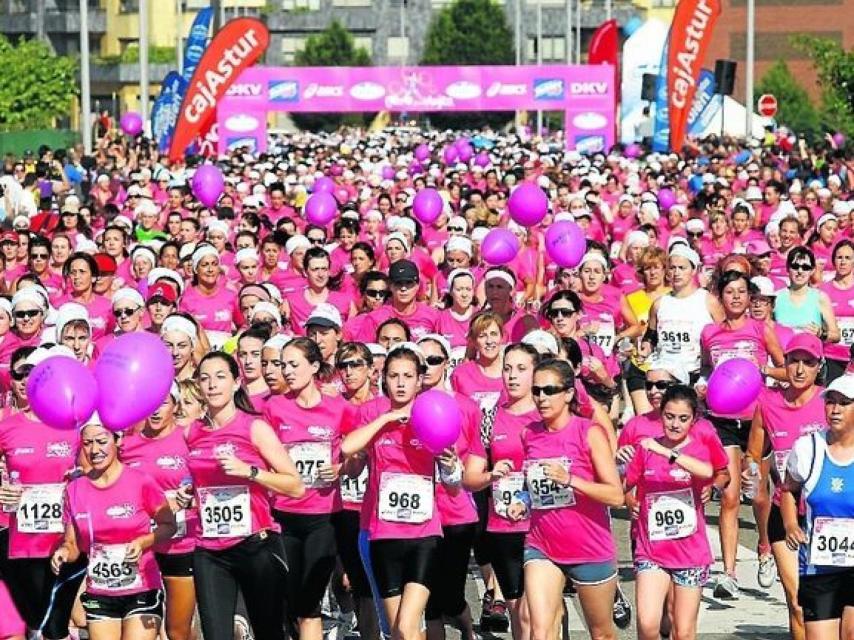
(767, 105)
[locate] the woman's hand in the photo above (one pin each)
(597, 369)
(10, 495)
(516, 511)
(233, 466)
(329, 473)
(557, 473)
(654, 446)
(795, 537)
(449, 461)
(133, 551)
(625, 454)
(59, 558)
(399, 415)
(184, 497)
(501, 469)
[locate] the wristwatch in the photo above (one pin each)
(253, 472)
(674, 453)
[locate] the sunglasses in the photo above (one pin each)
(316, 240)
(379, 294)
(548, 390)
(456, 229)
(661, 385)
(801, 267)
(351, 364)
(21, 372)
(434, 361)
(39, 256)
(125, 313)
(560, 312)
(30, 313)
(695, 234)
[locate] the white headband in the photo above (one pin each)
(203, 251)
(595, 256)
(501, 275)
(126, 293)
(397, 235)
(277, 342)
(245, 254)
(181, 324)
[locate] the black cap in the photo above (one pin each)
(403, 271)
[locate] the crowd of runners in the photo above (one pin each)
(283, 465)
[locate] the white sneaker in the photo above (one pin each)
(767, 572)
(726, 588)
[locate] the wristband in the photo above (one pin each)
(253, 472)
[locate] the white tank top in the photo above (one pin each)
(680, 322)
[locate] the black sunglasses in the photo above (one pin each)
(434, 361)
(21, 372)
(548, 390)
(379, 294)
(801, 267)
(350, 364)
(39, 256)
(456, 229)
(560, 312)
(29, 313)
(317, 240)
(661, 385)
(125, 313)
(695, 234)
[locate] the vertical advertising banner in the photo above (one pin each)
(164, 114)
(706, 105)
(641, 54)
(661, 124)
(690, 36)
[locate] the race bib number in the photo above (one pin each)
(846, 330)
(353, 489)
(40, 509)
(545, 493)
(832, 542)
(180, 517)
(671, 515)
(605, 334)
(308, 457)
(109, 571)
(405, 497)
(503, 491)
(225, 512)
(780, 460)
(458, 354)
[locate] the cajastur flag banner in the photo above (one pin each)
(690, 36)
(234, 48)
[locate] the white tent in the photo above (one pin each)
(735, 120)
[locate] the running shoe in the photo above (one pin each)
(622, 609)
(767, 572)
(242, 629)
(726, 588)
(498, 620)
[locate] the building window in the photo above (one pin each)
(364, 42)
(554, 49)
(290, 46)
(301, 5)
(398, 48)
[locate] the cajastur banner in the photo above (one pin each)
(690, 36)
(234, 48)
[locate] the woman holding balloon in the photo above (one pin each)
(506, 536)
(403, 524)
(39, 459)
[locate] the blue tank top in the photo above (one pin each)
(797, 316)
(827, 492)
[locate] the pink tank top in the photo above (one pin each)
(568, 527)
(648, 425)
(165, 461)
(230, 508)
(842, 301)
(214, 312)
(469, 380)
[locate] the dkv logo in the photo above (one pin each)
(582, 89)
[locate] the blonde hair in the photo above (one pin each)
(188, 390)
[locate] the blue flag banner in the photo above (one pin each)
(164, 114)
(661, 129)
(706, 103)
(197, 42)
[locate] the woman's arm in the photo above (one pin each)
(829, 318)
(361, 438)
(696, 467)
(775, 351)
(757, 438)
(284, 477)
(68, 551)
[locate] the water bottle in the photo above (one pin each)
(749, 492)
(13, 478)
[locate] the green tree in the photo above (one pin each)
(834, 68)
(332, 47)
(37, 86)
(471, 32)
(795, 109)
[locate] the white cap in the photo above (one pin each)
(843, 385)
(673, 367)
(594, 256)
(405, 224)
(459, 243)
(126, 293)
(682, 250)
(146, 206)
(298, 241)
(182, 325)
(765, 286)
(542, 341)
(638, 238)
(397, 235)
(249, 253)
(441, 340)
(266, 307)
(30, 294)
(69, 312)
(325, 315)
(651, 208)
(375, 349)
(695, 225)
(170, 274)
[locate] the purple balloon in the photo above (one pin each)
(462, 142)
(436, 419)
(321, 208)
(427, 205)
(323, 185)
(131, 123)
(388, 172)
(482, 159)
(733, 386)
(415, 168)
(528, 204)
(336, 170)
(666, 199)
(565, 243)
(62, 392)
(422, 152)
(134, 375)
(499, 246)
(208, 184)
(450, 154)
(839, 139)
(634, 150)
(465, 152)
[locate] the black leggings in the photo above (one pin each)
(31, 583)
(257, 566)
(448, 591)
(310, 547)
(346, 523)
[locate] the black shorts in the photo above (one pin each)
(175, 565)
(100, 607)
(507, 552)
(481, 548)
(634, 377)
(824, 597)
(346, 525)
(398, 562)
(448, 591)
(733, 433)
(776, 530)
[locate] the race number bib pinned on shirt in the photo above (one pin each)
(671, 515)
(832, 542)
(605, 335)
(545, 493)
(405, 497)
(780, 460)
(846, 331)
(308, 457)
(674, 336)
(353, 489)
(225, 512)
(109, 571)
(503, 491)
(40, 509)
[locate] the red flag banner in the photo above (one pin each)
(690, 36)
(604, 45)
(234, 48)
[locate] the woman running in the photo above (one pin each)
(840, 291)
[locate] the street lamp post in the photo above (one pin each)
(179, 35)
(539, 58)
(143, 64)
(748, 74)
(85, 88)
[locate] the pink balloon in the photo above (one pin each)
(462, 142)
(482, 159)
(415, 168)
(499, 246)
(62, 392)
(465, 152)
(565, 243)
(388, 173)
(321, 208)
(528, 204)
(436, 419)
(134, 375)
(633, 151)
(427, 205)
(839, 139)
(422, 152)
(666, 199)
(733, 386)
(450, 154)
(131, 123)
(323, 185)
(208, 184)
